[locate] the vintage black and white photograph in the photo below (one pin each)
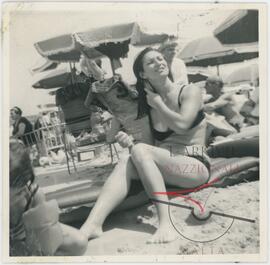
(133, 131)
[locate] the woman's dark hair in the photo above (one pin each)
(143, 107)
(20, 167)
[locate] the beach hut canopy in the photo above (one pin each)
(112, 41)
(240, 27)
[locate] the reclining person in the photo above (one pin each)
(221, 102)
(34, 226)
(222, 118)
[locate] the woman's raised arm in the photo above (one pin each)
(191, 103)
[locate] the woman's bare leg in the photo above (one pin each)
(113, 193)
(155, 166)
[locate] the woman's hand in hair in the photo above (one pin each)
(124, 139)
(153, 99)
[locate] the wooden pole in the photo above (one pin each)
(111, 61)
(71, 72)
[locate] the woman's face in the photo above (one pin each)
(154, 65)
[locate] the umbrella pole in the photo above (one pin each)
(65, 148)
(218, 70)
(71, 72)
(111, 61)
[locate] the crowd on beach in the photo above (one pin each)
(180, 116)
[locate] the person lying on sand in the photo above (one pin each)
(178, 126)
(34, 226)
(221, 103)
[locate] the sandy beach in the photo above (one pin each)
(196, 94)
(126, 232)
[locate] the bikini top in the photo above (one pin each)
(161, 136)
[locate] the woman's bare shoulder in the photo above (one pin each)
(192, 90)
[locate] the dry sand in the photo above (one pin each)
(126, 232)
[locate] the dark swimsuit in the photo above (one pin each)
(161, 136)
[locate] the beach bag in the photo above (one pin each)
(77, 116)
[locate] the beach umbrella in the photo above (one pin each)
(112, 41)
(240, 27)
(246, 74)
(209, 51)
(63, 49)
(60, 77)
(43, 64)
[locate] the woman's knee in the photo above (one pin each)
(140, 152)
(202, 175)
(123, 171)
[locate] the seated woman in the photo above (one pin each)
(179, 128)
(34, 226)
(22, 127)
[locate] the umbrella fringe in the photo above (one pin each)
(208, 56)
(79, 42)
(134, 38)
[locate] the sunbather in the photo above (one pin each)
(178, 126)
(221, 103)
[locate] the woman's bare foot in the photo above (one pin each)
(91, 231)
(164, 234)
